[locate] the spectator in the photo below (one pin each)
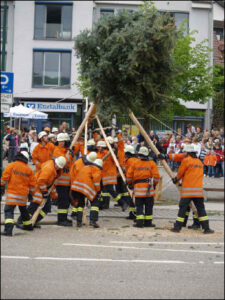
(24, 145)
(34, 143)
(55, 131)
(153, 135)
(12, 145)
(134, 143)
(171, 150)
(222, 132)
(222, 162)
(209, 144)
(218, 152)
(202, 158)
(211, 163)
(140, 138)
(196, 145)
(190, 130)
(178, 140)
(166, 142)
(126, 136)
(199, 133)
(206, 162)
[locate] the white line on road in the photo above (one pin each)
(138, 248)
(16, 257)
(218, 262)
(166, 243)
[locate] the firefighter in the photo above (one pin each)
(52, 138)
(46, 177)
(74, 170)
(91, 146)
(43, 151)
(63, 182)
(178, 157)
(144, 176)
(130, 160)
(87, 184)
(191, 173)
(21, 181)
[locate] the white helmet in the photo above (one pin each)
(61, 137)
(25, 153)
(189, 148)
(91, 142)
(41, 134)
(60, 162)
(110, 139)
(98, 162)
(67, 137)
(51, 135)
(54, 129)
(91, 157)
(101, 144)
(129, 148)
(143, 151)
(116, 140)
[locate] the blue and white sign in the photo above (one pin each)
(52, 107)
(7, 83)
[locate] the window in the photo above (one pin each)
(179, 18)
(2, 22)
(106, 11)
(53, 21)
(219, 33)
(51, 68)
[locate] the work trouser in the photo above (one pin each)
(122, 191)
(80, 204)
(183, 207)
(195, 218)
(63, 202)
(107, 191)
(95, 203)
(44, 211)
(144, 210)
(9, 217)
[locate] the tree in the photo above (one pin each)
(127, 60)
(218, 99)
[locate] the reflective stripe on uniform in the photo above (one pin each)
(31, 190)
(195, 216)
(80, 209)
(94, 208)
(133, 209)
(42, 213)
(15, 196)
(180, 219)
(85, 185)
(62, 211)
(9, 221)
(97, 184)
(191, 189)
(105, 194)
(192, 194)
(86, 192)
(62, 182)
(15, 201)
(187, 213)
(140, 217)
(149, 217)
(205, 218)
(2, 181)
(118, 197)
(74, 209)
(27, 222)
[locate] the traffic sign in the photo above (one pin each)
(7, 82)
(5, 108)
(6, 98)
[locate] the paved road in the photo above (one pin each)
(114, 261)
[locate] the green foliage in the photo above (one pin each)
(194, 78)
(127, 61)
(218, 99)
(218, 78)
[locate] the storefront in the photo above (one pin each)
(58, 112)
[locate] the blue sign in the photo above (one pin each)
(7, 82)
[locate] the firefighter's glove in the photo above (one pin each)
(2, 190)
(71, 151)
(175, 180)
(45, 195)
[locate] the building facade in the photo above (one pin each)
(39, 49)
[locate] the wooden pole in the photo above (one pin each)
(80, 129)
(156, 151)
(113, 154)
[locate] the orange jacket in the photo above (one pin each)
(87, 181)
(191, 174)
(64, 179)
(20, 180)
(129, 162)
(143, 169)
(109, 171)
(96, 136)
(76, 167)
(100, 155)
(210, 160)
(45, 178)
(41, 154)
(176, 157)
(121, 153)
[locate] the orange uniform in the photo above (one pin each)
(210, 160)
(64, 179)
(109, 171)
(191, 173)
(129, 163)
(87, 181)
(140, 171)
(45, 178)
(21, 181)
(76, 167)
(41, 154)
(121, 153)
(96, 137)
(176, 157)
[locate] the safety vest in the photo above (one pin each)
(191, 172)
(21, 181)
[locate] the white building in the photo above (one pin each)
(40, 53)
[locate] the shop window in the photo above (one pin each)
(51, 68)
(53, 21)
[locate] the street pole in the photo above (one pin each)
(3, 69)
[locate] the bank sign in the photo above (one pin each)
(52, 107)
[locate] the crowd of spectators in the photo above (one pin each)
(209, 146)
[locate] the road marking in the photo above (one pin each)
(218, 262)
(138, 248)
(166, 243)
(16, 257)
